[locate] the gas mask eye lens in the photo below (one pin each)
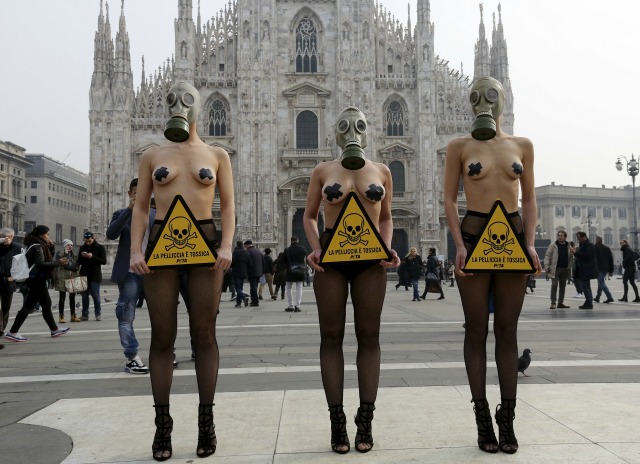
(343, 126)
(171, 99)
(188, 99)
(474, 97)
(492, 95)
(361, 126)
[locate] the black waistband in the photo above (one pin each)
(486, 215)
(198, 221)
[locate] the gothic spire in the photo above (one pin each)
(482, 61)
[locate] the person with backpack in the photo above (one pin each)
(40, 252)
(8, 249)
(629, 258)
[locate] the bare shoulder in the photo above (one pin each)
(218, 152)
(523, 142)
(382, 168)
(457, 145)
(326, 166)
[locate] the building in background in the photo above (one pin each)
(13, 167)
(273, 76)
(607, 212)
(56, 195)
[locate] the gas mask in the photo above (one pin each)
(487, 103)
(351, 136)
(184, 104)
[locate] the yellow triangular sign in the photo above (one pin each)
(498, 247)
(354, 238)
(180, 241)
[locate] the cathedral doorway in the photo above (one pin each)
(297, 229)
(400, 242)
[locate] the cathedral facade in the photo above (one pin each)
(273, 75)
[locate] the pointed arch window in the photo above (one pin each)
(307, 131)
(306, 47)
(395, 119)
(397, 176)
(218, 117)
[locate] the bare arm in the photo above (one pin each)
(529, 204)
(310, 218)
(227, 209)
(452, 173)
(140, 217)
(385, 221)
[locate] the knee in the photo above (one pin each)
(476, 332)
(332, 337)
(203, 337)
(505, 332)
(368, 337)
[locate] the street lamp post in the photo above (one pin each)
(632, 170)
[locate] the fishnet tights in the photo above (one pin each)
(331, 289)
(508, 296)
(161, 292)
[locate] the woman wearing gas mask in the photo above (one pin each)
(493, 166)
(192, 168)
(331, 184)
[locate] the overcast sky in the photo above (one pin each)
(574, 70)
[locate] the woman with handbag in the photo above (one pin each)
(40, 259)
(431, 277)
(60, 275)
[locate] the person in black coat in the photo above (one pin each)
(413, 266)
(92, 256)
(256, 271)
(8, 249)
(40, 251)
(295, 256)
(629, 266)
(268, 274)
(432, 270)
(587, 267)
(240, 266)
(604, 257)
(403, 280)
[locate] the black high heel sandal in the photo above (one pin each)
(162, 438)
(207, 442)
(486, 435)
(363, 422)
(505, 414)
(339, 435)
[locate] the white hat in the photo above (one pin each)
(66, 242)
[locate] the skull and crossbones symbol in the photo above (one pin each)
(353, 230)
(180, 228)
(498, 239)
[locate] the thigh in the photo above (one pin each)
(331, 290)
(205, 287)
(368, 290)
(508, 297)
(161, 288)
(474, 294)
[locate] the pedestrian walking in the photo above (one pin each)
(432, 280)
(587, 267)
(8, 249)
(40, 252)
(295, 257)
(604, 258)
(279, 276)
(413, 266)
(240, 268)
(629, 258)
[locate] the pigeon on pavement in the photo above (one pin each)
(524, 361)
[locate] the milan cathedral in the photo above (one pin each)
(273, 75)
